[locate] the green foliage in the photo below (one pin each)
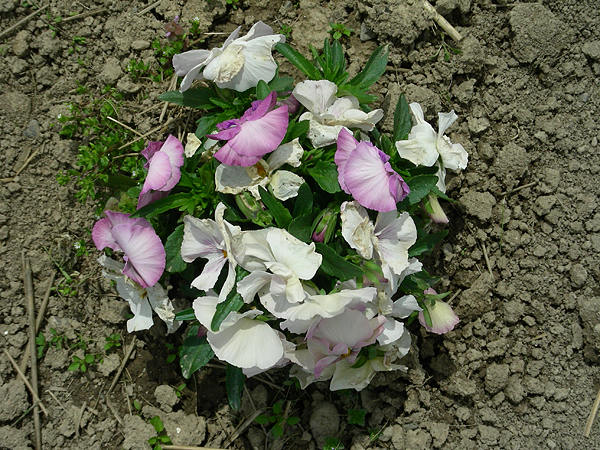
(161, 437)
(286, 30)
(112, 342)
(446, 49)
(179, 390)
(338, 30)
(332, 443)
(278, 418)
(83, 363)
(357, 417)
(234, 382)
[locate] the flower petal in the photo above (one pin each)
(289, 153)
(159, 173)
(247, 343)
(173, 148)
(367, 179)
(285, 184)
(230, 157)
(357, 228)
(259, 137)
(404, 307)
(184, 62)
(444, 122)
(163, 307)
(443, 318)
(151, 196)
(201, 239)
(347, 377)
(144, 253)
(316, 96)
(102, 235)
(421, 146)
(345, 145)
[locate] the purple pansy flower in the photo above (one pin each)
(258, 132)
(365, 173)
(164, 169)
(145, 256)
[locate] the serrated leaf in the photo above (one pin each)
(233, 302)
(298, 60)
(402, 119)
(234, 381)
(325, 174)
(279, 212)
(194, 98)
(336, 266)
(175, 263)
(420, 186)
(374, 68)
(427, 243)
(186, 314)
(195, 353)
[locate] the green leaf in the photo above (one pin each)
(153, 440)
(194, 98)
(234, 381)
(301, 227)
(277, 431)
(427, 317)
(374, 68)
(73, 366)
(206, 124)
(233, 302)
(332, 443)
(173, 250)
(279, 212)
(157, 424)
(420, 186)
(336, 266)
(296, 58)
(261, 419)
(304, 201)
(262, 90)
(359, 93)
(89, 359)
(326, 175)
(186, 314)
(194, 354)
(281, 84)
(299, 129)
(402, 119)
(278, 407)
(357, 417)
(292, 420)
(427, 243)
(164, 204)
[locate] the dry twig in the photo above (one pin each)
(26, 381)
(24, 20)
(443, 23)
(153, 130)
(590, 421)
(124, 126)
(123, 363)
(84, 15)
(241, 428)
(152, 6)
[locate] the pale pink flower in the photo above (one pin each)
(443, 318)
(258, 132)
(145, 256)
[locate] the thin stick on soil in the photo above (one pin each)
(487, 260)
(154, 130)
(124, 126)
(123, 364)
(38, 320)
(28, 282)
(79, 417)
(27, 161)
(24, 20)
(85, 14)
(517, 189)
(57, 400)
(166, 105)
(241, 428)
(443, 23)
(26, 381)
(152, 6)
(590, 421)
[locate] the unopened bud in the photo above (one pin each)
(434, 210)
(324, 224)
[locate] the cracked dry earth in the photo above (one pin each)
(520, 371)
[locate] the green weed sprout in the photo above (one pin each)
(338, 30)
(278, 420)
(161, 436)
(112, 342)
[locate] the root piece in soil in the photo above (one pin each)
(590, 421)
(24, 20)
(28, 283)
(443, 23)
(123, 364)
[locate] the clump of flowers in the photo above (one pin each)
(292, 234)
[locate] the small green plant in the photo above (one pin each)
(161, 436)
(164, 54)
(233, 3)
(286, 30)
(112, 342)
(332, 443)
(171, 356)
(137, 406)
(77, 41)
(42, 345)
(357, 417)
(179, 390)
(447, 50)
(80, 248)
(374, 433)
(138, 69)
(338, 30)
(278, 419)
(82, 363)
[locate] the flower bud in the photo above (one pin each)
(253, 209)
(441, 315)
(324, 224)
(434, 210)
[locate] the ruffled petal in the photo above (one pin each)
(345, 145)
(357, 228)
(184, 62)
(367, 179)
(144, 253)
(347, 377)
(259, 137)
(149, 197)
(201, 239)
(421, 146)
(454, 156)
(159, 173)
(417, 113)
(163, 307)
(404, 306)
(316, 96)
(230, 157)
(102, 235)
(285, 184)
(444, 122)
(210, 273)
(173, 148)
(290, 153)
(392, 331)
(299, 257)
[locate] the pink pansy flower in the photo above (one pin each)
(145, 256)
(258, 132)
(443, 318)
(364, 172)
(164, 169)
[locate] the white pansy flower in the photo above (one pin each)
(327, 114)
(284, 184)
(239, 64)
(141, 300)
(424, 146)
